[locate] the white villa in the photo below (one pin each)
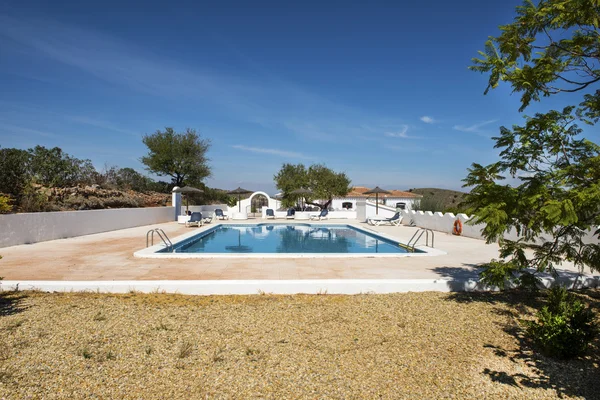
(397, 199)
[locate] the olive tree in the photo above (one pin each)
(322, 182)
(182, 156)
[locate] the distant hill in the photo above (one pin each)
(439, 199)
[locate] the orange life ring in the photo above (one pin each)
(457, 230)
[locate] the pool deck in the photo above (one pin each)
(109, 257)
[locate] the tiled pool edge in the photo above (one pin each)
(249, 287)
(151, 252)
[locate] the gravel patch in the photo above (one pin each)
(158, 346)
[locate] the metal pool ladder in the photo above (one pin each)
(163, 236)
(418, 234)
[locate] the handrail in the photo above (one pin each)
(152, 239)
(163, 236)
(420, 233)
(165, 239)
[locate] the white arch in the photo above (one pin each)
(256, 194)
(244, 203)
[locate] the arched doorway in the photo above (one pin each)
(256, 204)
(251, 208)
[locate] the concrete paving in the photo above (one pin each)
(109, 257)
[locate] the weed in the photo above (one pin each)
(163, 327)
(42, 334)
(217, 354)
(185, 350)
(254, 354)
(86, 353)
(99, 316)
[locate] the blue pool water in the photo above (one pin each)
(286, 238)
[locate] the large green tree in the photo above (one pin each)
(14, 171)
(53, 167)
(553, 201)
(323, 183)
(182, 156)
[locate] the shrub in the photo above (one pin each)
(32, 200)
(5, 206)
(564, 327)
(428, 203)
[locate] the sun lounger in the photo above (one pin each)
(322, 215)
(270, 213)
(376, 221)
(219, 214)
(195, 219)
(291, 213)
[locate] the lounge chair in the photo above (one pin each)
(270, 213)
(322, 215)
(395, 220)
(291, 213)
(219, 214)
(208, 220)
(195, 219)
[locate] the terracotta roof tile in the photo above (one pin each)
(359, 191)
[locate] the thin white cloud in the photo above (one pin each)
(276, 152)
(11, 129)
(475, 128)
(101, 124)
(402, 133)
(310, 130)
(427, 119)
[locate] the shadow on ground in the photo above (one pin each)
(11, 302)
(470, 271)
(466, 278)
(577, 377)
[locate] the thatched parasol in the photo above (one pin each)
(376, 192)
(239, 191)
(187, 189)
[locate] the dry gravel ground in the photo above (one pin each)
(161, 346)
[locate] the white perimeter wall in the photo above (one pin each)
(28, 228)
(445, 223)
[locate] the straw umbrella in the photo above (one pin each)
(376, 192)
(239, 191)
(302, 192)
(187, 189)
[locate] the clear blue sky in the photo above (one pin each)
(379, 90)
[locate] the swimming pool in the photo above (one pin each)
(277, 238)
